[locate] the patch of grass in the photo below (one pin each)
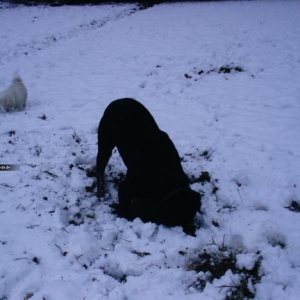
(248, 278)
(217, 265)
(214, 266)
(239, 291)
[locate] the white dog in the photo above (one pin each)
(14, 96)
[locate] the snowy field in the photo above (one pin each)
(223, 80)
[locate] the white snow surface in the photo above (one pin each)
(74, 61)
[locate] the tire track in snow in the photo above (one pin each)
(37, 45)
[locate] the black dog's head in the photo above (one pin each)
(143, 208)
(180, 208)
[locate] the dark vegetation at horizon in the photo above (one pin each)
(143, 3)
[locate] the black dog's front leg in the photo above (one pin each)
(100, 186)
(105, 147)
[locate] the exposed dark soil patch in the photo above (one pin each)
(277, 240)
(206, 154)
(214, 190)
(139, 253)
(77, 219)
(76, 138)
(122, 278)
(294, 207)
(116, 178)
(204, 177)
(11, 132)
(215, 223)
(92, 172)
(226, 69)
(90, 189)
(43, 117)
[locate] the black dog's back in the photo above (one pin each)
(131, 117)
(131, 125)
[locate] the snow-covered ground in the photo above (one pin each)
(57, 241)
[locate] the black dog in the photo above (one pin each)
(155, 188)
